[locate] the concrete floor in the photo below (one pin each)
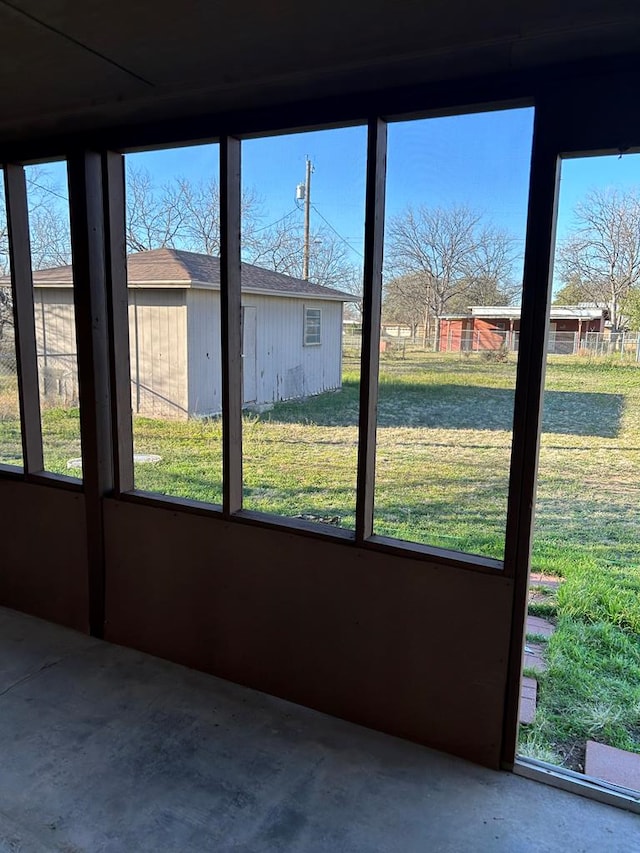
(106, 749)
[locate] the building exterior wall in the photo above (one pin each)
(286, 368)
(54, 316)
(158, 349)
(450, 335)
(489, 334)
(204, 352)
(471, 334)
(175, 349)
(476, 334)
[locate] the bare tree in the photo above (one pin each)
(601, 256)
(404, 303)
(571, 293)
(490, 270)
(155, 217)
(351, 282)
(49, 233)
(444, 259)
(280, 248)
(276, 247)
(181, 214)
(186, 214)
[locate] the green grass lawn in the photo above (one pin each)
(444, 439)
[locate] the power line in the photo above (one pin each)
(47, 190)
(282, 218)
(337, 233)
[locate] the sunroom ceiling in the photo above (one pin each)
(70, 64)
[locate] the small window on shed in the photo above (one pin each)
(312, 326)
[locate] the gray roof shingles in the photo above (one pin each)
(175, 266)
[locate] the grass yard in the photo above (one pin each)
(444, 438)
(588, 532)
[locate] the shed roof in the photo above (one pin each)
(558, 312)
(506, 312)
(174, 268)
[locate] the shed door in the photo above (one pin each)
(249, 368)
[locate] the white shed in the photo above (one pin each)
(292, 333)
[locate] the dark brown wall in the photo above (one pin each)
(405, 646)
(43, 563)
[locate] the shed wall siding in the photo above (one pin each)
(175, 349)
(287, 369)
(204, 355)
(56, 345)
(158, 340)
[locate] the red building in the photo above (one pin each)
(489, 327)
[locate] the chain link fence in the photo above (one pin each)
(57, 376)
(58, 380)
(399, 339)
(9, 409)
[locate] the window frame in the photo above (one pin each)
(565, 109)
(305, 326)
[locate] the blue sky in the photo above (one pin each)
(480, 159)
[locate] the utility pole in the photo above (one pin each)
(307, 212)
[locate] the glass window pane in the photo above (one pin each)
(173, 268)
(456, 205)
(302, 252)
(53, 283)
(585, 563)
(10, 433)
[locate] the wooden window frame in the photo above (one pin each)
(565, 111)
(305, 317)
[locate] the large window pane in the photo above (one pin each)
(457, 192)
(10, 434)
(173, 269)
(53, 284)
(585, 565)
(302, 242)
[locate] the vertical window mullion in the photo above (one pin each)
(231, 324)
(118, 300)
(534, 327)
(87, 247)
(372, 305)
(24, 321)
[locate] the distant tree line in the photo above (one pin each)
(181, 214)
(599, 262)
(185, 214)
(440, 261)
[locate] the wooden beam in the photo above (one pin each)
(372, 307)
(90, 297)
(527, 420)
(606, 85)
(118, 305)
(230, 325)
(24, 320)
